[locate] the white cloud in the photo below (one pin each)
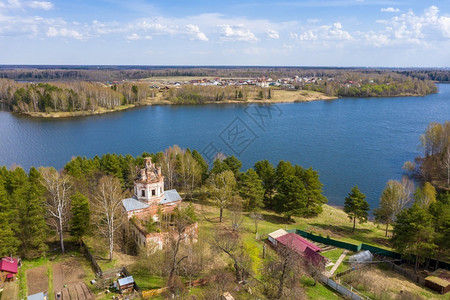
(378, 40)
(190, 31)
(272, 34)
(45, 5)
(390, 9)
(195, 32)
(410, 28)
(17, 4)
(333, 32)
(64, 32)
(236, 33)
(133, 37)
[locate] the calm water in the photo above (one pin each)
(350, 141)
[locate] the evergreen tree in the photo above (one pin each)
(202, 163)
(8, 241)
(414, 234)
(356, 206)
(79, 224)
(314, 197)
(33, 227)
(233, 164)
(266, 172)
(291, 196)
(251, 190)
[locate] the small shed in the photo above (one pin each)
(276, 234)
(126, 285)
(361, 257)
(8, 268)
(439, 281)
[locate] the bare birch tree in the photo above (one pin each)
(222, 187)
(169, 165)
(447, 164)
(107, 203)
(189, 173)
(57, 205)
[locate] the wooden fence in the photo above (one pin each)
(90, 257)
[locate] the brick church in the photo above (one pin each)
(149, 198)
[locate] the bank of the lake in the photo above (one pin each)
(350, 141)
(281, 96)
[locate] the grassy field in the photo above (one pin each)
(379, 282)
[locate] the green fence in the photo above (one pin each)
(328, 241)
(381, 251)
(355, 248)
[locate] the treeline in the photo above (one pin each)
(69, 96)
(421, 216)
(287, 189)
(194, 94)
(434, 165)
(358, 84)
(434, 75)
(112, 73)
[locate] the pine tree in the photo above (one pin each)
(251, 190)
(414, 234)
(356, 206)
(266, 172)
(314, 197)
(8, 241)
(33, 227)
(79, 224)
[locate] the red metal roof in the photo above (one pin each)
(297, 243)
(7, 265)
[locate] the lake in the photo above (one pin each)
(350, 141)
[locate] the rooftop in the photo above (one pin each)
(278, 233)
(132, 203)
(125, 281)
(8, 265)
(170, 196)
(297, 243)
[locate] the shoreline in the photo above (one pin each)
(296, 97)
(307, 96)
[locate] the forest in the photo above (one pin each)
(118, 73)
(69, 96)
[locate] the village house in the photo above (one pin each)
(149, 201)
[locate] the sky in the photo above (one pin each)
(360, 33)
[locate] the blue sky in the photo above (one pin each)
(380, 33)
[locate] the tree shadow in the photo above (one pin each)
(276, 219)
(342, 229)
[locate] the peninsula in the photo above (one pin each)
(55, 93)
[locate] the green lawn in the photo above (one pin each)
(147, 282)
(319, 291)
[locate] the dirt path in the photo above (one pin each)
(37, 280)
(10, 291)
